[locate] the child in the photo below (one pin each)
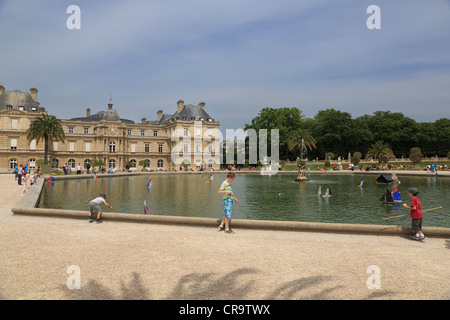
(24, 181)
(94, 206)
(225, 189)
(416, 214)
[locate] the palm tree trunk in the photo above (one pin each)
(46, 147)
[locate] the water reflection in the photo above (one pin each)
(276, 197)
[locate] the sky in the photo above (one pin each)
(236, 56)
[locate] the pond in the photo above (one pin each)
(276, 197)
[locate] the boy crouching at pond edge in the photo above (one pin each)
(94, 206)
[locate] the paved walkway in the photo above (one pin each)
(120, 260)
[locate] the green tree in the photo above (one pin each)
(333, 131)
(47, 128)
(356, 158)
(144, 163)
(380, 151)
(400, 132)
(284, 119)
(416, 157)
(300, 136)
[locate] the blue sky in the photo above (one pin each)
(237, 56)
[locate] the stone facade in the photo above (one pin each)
(105, 136)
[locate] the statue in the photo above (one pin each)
(301, 164)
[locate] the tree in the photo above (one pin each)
(416, 157)
(333, 130)
(144, 163)
(284, 119)
(47, 128)
(297, 137)
(380, 151)
(356, 158)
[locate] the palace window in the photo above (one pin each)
(129, 132)
(112, 147)
(160, 163)
(112, 163)
(86, 130)
(32, 163)
(186, 132)
(142, 133)
(155, 133)
(160, 148)
(13, 144)
(12, 163)
(71, 163)
(70, 129)
(133, 163)
(55, 163)
(147, 148)
(14, 123)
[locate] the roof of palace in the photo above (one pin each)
(19, 100)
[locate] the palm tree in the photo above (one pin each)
(300, 137)
(46, 128)
(380, 151)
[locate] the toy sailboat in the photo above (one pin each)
(397, 196)
(387, 197)
(328, 193)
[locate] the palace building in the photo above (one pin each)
(103, 135)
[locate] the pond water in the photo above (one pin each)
(276, 197)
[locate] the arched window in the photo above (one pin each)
(112, 147)
(55, 163)
(160, 163)
(12, 163)
(133, 163)
(112, 163)
(147, 163)
(71, 163)
(86, 162)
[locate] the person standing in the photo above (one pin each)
(24, 181)
(19, 175)
(79, 169)
(416, 214)
(227, 191)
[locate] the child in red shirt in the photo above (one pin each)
(416, 214)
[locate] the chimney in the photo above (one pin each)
(202, 105)
(88, 112)
(33, 92)
(159, 115)
(180, 104)
(2, 89)
(144, 120)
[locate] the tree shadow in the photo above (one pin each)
(93, 290)
(206, 286)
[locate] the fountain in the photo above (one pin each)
(301, 164)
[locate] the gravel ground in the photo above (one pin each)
(119, 260)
